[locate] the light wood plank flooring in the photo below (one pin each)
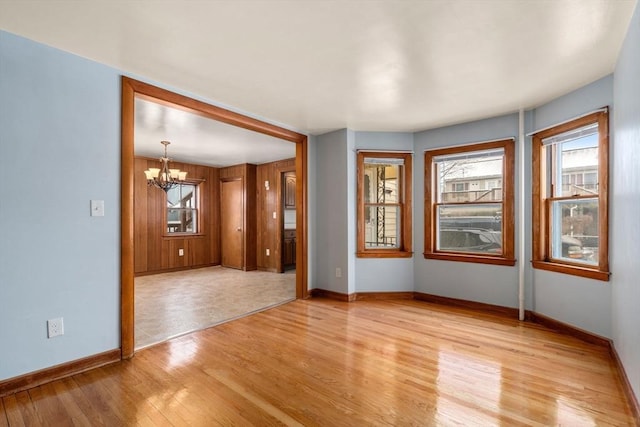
(172, 304)
(320, 362)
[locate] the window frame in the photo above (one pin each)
(197, 210)
(431, 205)
(405, 194)
(541, 220)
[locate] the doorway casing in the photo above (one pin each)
(130, 90)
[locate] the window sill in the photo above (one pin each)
(384, 254)
(479, 259)
(590, 273)
(182, 235)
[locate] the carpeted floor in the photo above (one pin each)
(172, 304)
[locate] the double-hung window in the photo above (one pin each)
(384, 205)
(570, 182)
(182, 209)
(469, 203)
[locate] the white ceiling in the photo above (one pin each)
(199, 140)
(316, 66)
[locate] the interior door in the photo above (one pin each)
(231, 220)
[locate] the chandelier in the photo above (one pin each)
(164, 177)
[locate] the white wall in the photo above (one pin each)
(625, 204)
(577, 301)
(491, 284)
(59, 148)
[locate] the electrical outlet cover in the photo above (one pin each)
(55, 327)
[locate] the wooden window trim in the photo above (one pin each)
(541, 258)
(199, 220)
(508, 255)
(405, 193)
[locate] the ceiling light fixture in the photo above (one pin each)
(164, 177)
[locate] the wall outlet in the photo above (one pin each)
(268, 252)
(180, 252)
(55, 327)
(338, 272)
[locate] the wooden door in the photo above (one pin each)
(231, 220)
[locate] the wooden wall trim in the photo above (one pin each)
(567, 329)
(34, 379)
(632, 400)
(471, 305)
(130, 90)
(127, 237)
(383, 296)
(338, 296)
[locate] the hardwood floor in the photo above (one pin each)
(329, 363)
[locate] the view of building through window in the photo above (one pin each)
(469, 201)
(573, 187)
(182, 209)
(382, 216)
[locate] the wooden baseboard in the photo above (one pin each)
(471, 305)
(173, 270)
(382, 296)
(628, 390)
(323, 293)
(34, 379)
(567, 329)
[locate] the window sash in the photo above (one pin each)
(548, 194)
(479, 193)
(394, 238)
(186, 209)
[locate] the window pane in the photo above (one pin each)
(576, 164)
(181, 220)
(181, 196)
(381, 182)
(182, 209)
(382, 227)
(475, 228)
(574, 230)
(474, 177)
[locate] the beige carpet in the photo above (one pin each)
(172, 304)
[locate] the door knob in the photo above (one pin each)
(238, 229)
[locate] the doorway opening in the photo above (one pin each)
(132, 90)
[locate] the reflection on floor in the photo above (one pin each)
(172, 304)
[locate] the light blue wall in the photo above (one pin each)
(484, 283)
(581, 302)
(381, 274)
(59, 148)
(625, 204)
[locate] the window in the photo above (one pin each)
(384, 205)
(182, 209)
(570, 184)
(475, 223)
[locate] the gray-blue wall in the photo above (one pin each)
(59, 148)
(491, 284)
(625, 206)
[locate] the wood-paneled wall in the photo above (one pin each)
(155, 251)
(269, 230)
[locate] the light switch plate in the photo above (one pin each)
(97, 208)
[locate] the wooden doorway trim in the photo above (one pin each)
(130, 90)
